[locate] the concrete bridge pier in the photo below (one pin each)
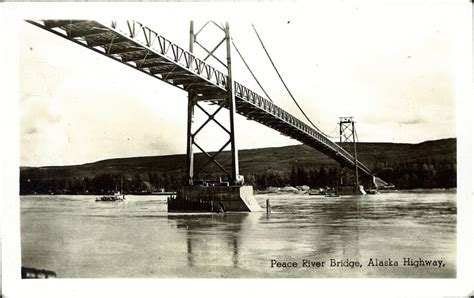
(348, 183)
(202, 198)
(367, 181)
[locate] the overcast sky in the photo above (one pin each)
(391, 66)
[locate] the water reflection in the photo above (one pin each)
(77, 237)
(326, 226)
(210, 236)
(308, 229)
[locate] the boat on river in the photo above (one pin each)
(117, 196)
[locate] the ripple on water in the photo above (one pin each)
(79, 237)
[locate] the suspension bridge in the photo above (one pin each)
(139, 47)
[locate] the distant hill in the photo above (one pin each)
(385, 159)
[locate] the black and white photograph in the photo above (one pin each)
(241, 141)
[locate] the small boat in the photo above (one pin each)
(331, 195)
(111, 198)
(117, 196)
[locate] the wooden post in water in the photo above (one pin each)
(269, 207)
(338, 178)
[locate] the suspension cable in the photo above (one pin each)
(248, 67)
(333, 130)
(281, 79)
(284, 84)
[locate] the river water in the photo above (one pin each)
(79, 238)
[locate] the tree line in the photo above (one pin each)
(404, 175)
(100, 184)
(425, 173)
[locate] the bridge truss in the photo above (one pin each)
(137, 46)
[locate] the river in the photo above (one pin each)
(79, 238)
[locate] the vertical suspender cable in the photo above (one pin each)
(284, 84)
(248, 67)
(281, 79)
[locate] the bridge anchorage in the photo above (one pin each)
(139, 47)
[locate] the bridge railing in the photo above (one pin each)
(151, 39)
(261, 102)
(158, 46)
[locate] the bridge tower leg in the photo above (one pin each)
(190, 137)
(213, 195)
(231, 102)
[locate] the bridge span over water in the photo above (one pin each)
(139, 47)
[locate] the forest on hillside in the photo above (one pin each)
(421, 173)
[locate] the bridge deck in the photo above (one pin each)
(137, 46)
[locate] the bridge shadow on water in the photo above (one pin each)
(213, 238)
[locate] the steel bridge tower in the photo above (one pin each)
(347, 135)
(198, 95)
(227, 194)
